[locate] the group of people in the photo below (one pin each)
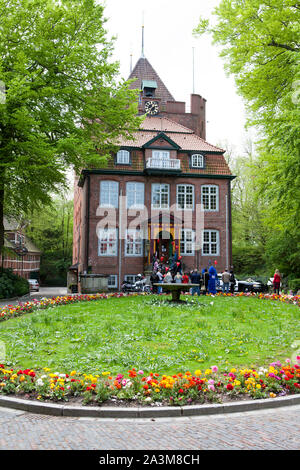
(204, 282)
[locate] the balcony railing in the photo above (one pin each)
(165, 164)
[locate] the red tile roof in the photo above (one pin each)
(185, 138)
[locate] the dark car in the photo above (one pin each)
(250, 285)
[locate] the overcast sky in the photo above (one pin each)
(169, 46)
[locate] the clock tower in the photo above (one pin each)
(156, 100)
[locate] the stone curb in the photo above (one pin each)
(146, 412)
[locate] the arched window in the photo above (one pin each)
(197, 160)
(123, 157)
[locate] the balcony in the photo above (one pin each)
(163, 165)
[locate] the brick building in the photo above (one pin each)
(20, 254)
(166, 190)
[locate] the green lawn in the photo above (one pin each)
(148, 333)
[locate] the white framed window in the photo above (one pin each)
(123, 157)
(160, 196)
(210, 197)
(210, 242)
(185, 196)
(109, 194)
(187, 242)
(130, 278)
(135, 194)
(108, 242)
(134, 243)
(112, 282)
(19, 239)
(160, 154)
(197, 160)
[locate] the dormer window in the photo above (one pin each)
(197, 160)
(148, 88)
(123, 157)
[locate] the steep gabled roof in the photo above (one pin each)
(143, 70)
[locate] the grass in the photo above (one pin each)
(149, 333)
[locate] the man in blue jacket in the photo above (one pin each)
(212, 280)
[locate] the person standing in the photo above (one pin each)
(195, 279)
(168, 277)
(226, 280)
(154, 280)
(232, 282)
(160, 280)
(212, 280)
(276, 282)
(205, 276)
(178, 278)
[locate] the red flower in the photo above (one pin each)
(180, 390)
(229, 387)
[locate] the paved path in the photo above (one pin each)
(43, 292)
(256, 430)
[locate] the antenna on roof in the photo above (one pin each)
(193, 70)
(143, 55)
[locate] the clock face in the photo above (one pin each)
(151, 107)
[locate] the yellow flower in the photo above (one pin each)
(22, 378)
(198, 372)
(73, 373)
(208, 371)
(272, 395)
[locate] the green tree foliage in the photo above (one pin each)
(260, 42)
(51, 230)
(249, 233)
(60, 100)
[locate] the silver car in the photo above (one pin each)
(34, 285)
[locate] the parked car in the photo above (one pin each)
(34, 285)
(251, 285)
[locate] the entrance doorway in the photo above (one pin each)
(163, 246)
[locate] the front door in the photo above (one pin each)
(163, 246)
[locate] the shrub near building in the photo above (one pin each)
(12, 285)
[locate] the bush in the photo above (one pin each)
(294, 285)
(248, 259)
(12, 285)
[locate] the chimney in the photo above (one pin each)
(198, 105)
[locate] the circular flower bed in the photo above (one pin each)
(136, 386)
(210, 385)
